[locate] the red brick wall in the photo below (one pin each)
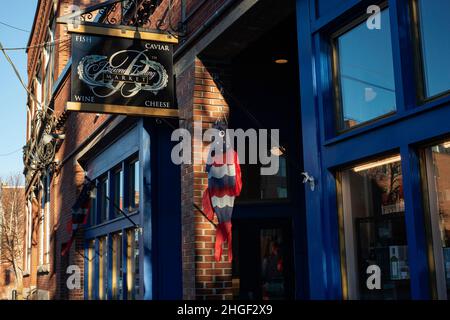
(199, 100)
(200, 103)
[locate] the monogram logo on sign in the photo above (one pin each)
(126, 72)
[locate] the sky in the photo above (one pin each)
(20, 14)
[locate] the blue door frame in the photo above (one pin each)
(412, 127)
(159, 213)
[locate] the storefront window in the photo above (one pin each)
(104, 203)
(258, 187)
(132, 264)
(364, 73)
(93, 209)
(374, 232)
(117, 269)
(103, 268)
(133, 185)
(91, 256)
(136, 276)
(434, 24)
(438, 181)
(272, 266)
(118, 192)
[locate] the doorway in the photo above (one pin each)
(256, 67)
(263, 261)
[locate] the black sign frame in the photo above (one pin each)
(119, 70)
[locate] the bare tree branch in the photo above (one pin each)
(12, 224)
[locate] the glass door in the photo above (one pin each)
(263, 263)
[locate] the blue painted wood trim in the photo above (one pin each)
(112, 226)
(415, 225)
(314, 221)
(145, 207)
(424, 126)
(331, 237)
(403, 49)
(400, 93)
(110, 210)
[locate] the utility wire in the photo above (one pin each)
(40, 45)
(10, 153)
(20, 78)
(13, 27)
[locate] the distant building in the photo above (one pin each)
(12, 230)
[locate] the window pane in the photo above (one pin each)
(272, 264)
(91, 256)
(365, 73)
(117, 272)
(93, 209)
(264, 187)
(438, 172)
(374, 229)
(136, 233)
(118, 193)
(104, 191)
(130, 262)
(134, 185)
(434, 29)
(103, 268)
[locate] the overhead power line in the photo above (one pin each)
(10, 153)
(13, 27)
(41, 45)
(16, 71)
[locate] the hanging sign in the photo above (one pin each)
(122, 71)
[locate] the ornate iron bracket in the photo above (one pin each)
(136, 13)
(39, 152)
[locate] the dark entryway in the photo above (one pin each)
(256, 65)
(263, 261)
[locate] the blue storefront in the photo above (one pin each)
(133, 238)
(363, 108)
(375, 109)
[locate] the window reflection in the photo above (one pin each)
(264, 187)
(91, 257)
(434, 27)
(365, 74)
(136, 255)
(103, 268)
(104, 203)
(117, 270)
(272, 268)
(134, 185)
(438, 173)
(374, 229)
(118, 193)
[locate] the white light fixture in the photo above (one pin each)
(47, 138)
(446, 144)
(277, 151)
(281, 61)
(375, 164)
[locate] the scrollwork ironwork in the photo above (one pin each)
(135, 13)
(38, 153)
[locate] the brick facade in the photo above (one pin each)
(200, 101)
